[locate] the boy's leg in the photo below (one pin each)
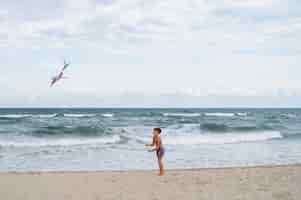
(161, 165)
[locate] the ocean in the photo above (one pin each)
(113, 139)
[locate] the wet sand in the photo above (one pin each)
(254, 183)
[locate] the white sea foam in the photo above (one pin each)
(15, 116)
(221, 138)
(242, 114)
(61, 142)
(219, 114)
(46, 115)
(79, 115)
(107, 115)
(181, 114)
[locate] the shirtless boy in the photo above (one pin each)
(157, 142)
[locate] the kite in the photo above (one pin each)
(59, 76)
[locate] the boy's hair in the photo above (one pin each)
(158, 130)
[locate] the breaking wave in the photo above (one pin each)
(79, 115)
(242, 114)
(219, 114)
(288, 116)
(222, 138)
(46, 115)
(107, 115)
(14, 116)
(220, 127)
(62, 142)
(181, 114)
(87, 130)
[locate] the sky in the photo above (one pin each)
(141, 53)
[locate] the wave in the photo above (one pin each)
(62, 142)
(21, 116)
(107, 115)
(216, 127)
(288, 116)
(242, 114)
(219, 114)
(45, 115)
(79, 115)
(14, 116)
(227, 138)
(72, 130)
(181, 114)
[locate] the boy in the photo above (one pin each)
(159, 148)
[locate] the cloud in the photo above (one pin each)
(251, 3)
(134, 21)
(195, 47)
(235, 25)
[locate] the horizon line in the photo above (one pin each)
(125, 107)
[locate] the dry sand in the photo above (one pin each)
(281, 182)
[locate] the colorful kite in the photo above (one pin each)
(60, 74)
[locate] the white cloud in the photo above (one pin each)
(193, 47)
(251, 3)
(127, 21)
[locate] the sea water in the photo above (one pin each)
(113, 139)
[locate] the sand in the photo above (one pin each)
(278, 182)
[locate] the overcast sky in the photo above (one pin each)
(201, 53)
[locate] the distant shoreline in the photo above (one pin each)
(146, 170)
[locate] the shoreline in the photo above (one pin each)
(148, 170)
(247, 183)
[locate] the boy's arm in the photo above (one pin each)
(152, 144)
(155, 142)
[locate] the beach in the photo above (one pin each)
(266, 182)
